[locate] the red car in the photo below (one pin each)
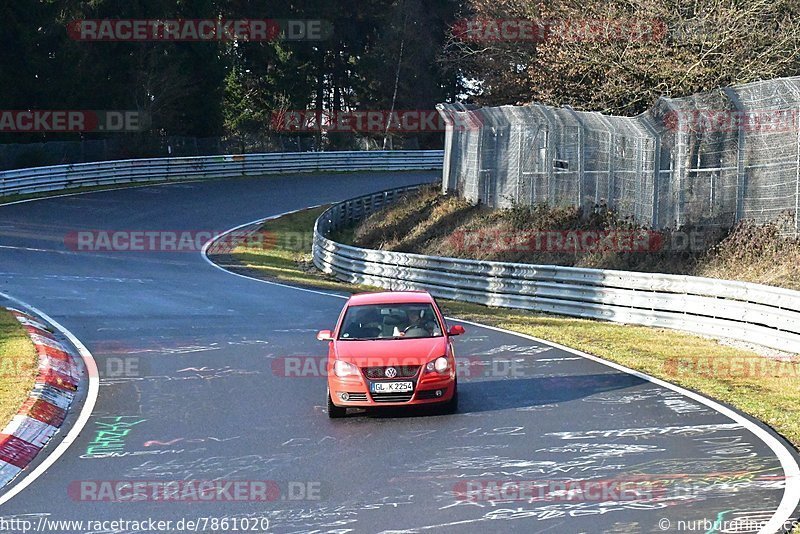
(391, 349)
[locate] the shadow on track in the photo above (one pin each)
(496, 395)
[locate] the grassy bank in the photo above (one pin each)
(771, 394)
(431, 223)
(18, 366)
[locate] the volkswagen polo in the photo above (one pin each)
(391, 349)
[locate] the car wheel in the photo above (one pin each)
(451, 406)
(335, 412)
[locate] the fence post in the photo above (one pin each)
(478, 181)
(656, 166)
(638, 182)
(520, 162)
(485, 174)
(550, 154)
(796, 94)
(740, 170)
(448, 153)
(797, 178)
(612, 139)
(445, 112)
(677, 164)
(497, 134)
(581, 154)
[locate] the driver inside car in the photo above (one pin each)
(418, 325)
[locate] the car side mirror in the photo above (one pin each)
(456, 330)
(325, 335)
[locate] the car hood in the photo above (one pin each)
(385, 352)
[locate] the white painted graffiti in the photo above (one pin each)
(601, 450)
(647, 432)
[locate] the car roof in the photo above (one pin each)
(390, 297)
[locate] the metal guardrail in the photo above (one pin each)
(765, 315)
(40, 179)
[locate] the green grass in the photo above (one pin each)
(18, 366)
(285, 261)
(662, 353)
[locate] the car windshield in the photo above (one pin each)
(390, 321)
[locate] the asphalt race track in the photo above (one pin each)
(203, 399)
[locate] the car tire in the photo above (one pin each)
(335, 412)
(451, 406)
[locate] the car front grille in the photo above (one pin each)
(403, 371)
(392, 397)
(356, 397)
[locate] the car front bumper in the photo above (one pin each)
(427, 390)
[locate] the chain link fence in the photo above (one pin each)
(709, 159)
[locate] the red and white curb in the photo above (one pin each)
(45, 409)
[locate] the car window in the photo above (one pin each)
(390, 321)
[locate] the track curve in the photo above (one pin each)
(205, 402)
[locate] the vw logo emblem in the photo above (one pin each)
(390, 372)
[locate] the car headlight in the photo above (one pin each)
(343, 369)
(440, 365)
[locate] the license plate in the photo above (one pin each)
(391, 387)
